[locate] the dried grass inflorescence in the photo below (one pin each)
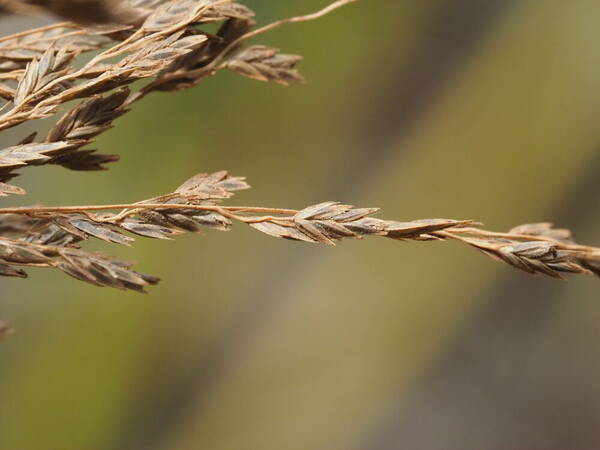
(50, 236)
(162, 42)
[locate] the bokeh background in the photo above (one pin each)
(480, 109)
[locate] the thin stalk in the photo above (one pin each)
(53, 26)
(457, 233)
(298, 19)
(142, 206)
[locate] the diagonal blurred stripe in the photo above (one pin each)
(455, 31)
(478, 394)
(452, 36)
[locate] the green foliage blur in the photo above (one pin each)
(464, 109)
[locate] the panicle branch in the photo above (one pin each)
(50, 236)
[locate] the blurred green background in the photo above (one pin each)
(481, 109)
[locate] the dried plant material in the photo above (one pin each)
(17, 50)
(29, 155)
(14, 7)
(266, 64)
(89, 267)
(90, 11)
(551, 258)
(160, 41)
(164, 44)
(7, 189)
(40, 73)
(167, 45)
(81, 11)
(37, 233)
(544, 229)
(5, 329)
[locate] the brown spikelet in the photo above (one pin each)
(266, 64)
